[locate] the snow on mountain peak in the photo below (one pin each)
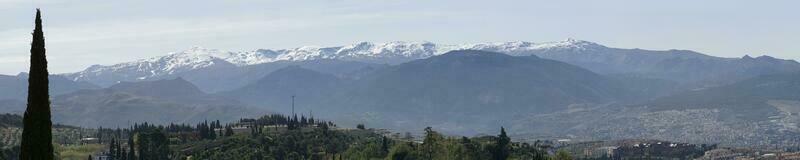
(389, 52)
(519, 48)
(568, 44)
(356, 51)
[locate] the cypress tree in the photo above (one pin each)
(119, 150)
(385, 145)
(503, 148)
(132, 152)
(37, 138)
(220, 132)
(228, 131)
(112, 149)
(212, 134)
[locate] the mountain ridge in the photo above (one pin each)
(390, 52)
(476, 88)
(684, 66)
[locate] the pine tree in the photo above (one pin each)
(37, 138)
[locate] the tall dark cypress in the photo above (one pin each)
(132, 152)
(112, 149)
(36, 135)
(503, 148)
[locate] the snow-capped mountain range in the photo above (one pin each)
(390, 53)
(216, 70)
(367, 51)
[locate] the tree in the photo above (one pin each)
(119, 153)
(401, 151)
(228, 131)
(37, 136)
(472, 149)
(360, 126)
(132, 153)
(385, 144)
(112, 150)
(205, 132)
(563, 155)
(430, 145)
(212, 133)
(152, 145)
(220, 134)
(503, 148)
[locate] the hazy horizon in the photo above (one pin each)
(80, 34)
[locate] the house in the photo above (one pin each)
(90, 140)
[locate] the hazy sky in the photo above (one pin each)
(84, 32)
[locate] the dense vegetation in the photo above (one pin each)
(292, 137)
(321, 141)
(276, 137)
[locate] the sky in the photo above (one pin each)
(86, 32)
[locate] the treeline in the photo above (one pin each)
(207, 131)
(437, 146)
(323, 143)
(147, 141)
(140, 142)
(151, 142)
(292, 122)
(279, 142)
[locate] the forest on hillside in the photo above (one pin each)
(274, 137)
